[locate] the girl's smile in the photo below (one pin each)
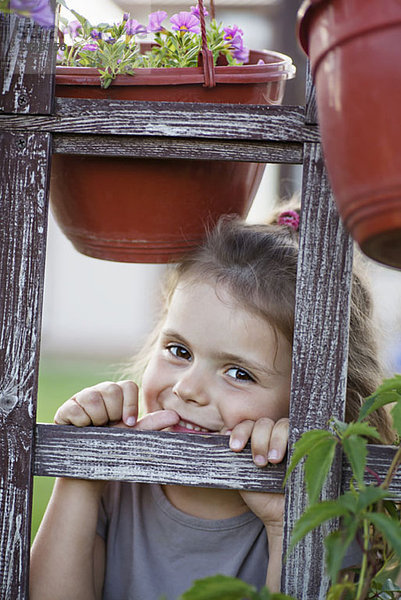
(216, 364)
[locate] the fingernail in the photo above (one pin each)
(130, 421)
(235, 444)
(273, 454)
(260, 460)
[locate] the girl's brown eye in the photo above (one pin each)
(179, 351)
(239, 374)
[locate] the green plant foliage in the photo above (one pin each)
(364, 514)
(114, 49)
(223, 587)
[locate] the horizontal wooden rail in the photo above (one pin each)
(169, 458)
(178, 148)
(169, 119)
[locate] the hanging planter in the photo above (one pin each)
(156, 210)
(353, 46)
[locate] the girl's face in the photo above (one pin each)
(216, 364)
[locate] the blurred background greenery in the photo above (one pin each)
(59, 379)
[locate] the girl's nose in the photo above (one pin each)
(192, 387)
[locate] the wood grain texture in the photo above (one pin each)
(319, 359)
(162, 457)
(150, 457)
(169, 119)
(158, 147)
(310, 92)
(27, 59)
(23, 223)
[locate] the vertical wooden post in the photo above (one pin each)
(320, 358)
(26, 85)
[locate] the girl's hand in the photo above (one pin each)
(111, 404)
(269, 444)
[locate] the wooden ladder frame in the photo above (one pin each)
(33, 125)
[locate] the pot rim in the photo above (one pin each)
(280, 67)
(304, 15)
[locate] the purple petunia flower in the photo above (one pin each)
(96, 35)
(241, 54)
(90, 47)
(73, 28)
(195, 11)
(155, 21)
(231, 32)
(125, 16)
(234, 36)
(39, 10)
(185, 21)
(132, 27)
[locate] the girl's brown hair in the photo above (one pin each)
(258, 265)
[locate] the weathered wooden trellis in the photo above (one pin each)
(33, 125)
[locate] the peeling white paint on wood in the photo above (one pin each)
(23, 214)
(319, 361)
(188, 120)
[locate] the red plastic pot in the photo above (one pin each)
(354, 48)
(151, 210)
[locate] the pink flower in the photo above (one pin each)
(132, 27)
(90, 47)
(185, 21)
(39, 10)
(196, 12)
(231, 32)
(155, 21)
(290, 218)
(73, 28)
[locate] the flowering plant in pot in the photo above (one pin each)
(351, 47)
(163, 204)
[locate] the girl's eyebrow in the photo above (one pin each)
(170, 333)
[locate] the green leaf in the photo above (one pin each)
(84, 22)
(391, 508)
(349, 501)
(339, 591)
(314, 516)
(361, 429)
(389, 391)
(396, 415)
(390, 528)
(304, 445)
(317, 466)
(220, 587)
(355, 449)
(369, 496)
(337, 544)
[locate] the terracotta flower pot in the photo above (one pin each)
(150, 210)
(354, 48)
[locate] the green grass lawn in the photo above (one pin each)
(58, 381)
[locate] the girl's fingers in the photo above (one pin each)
(260, 440)
(240, 435)
(92, 402)
(71, 413)
(278, 441)
(130, 402)
(158, 420)
(268, 439)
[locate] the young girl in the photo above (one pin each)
(220, 362)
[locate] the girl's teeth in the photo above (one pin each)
(192, 427)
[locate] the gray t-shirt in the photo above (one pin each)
(154, 549)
